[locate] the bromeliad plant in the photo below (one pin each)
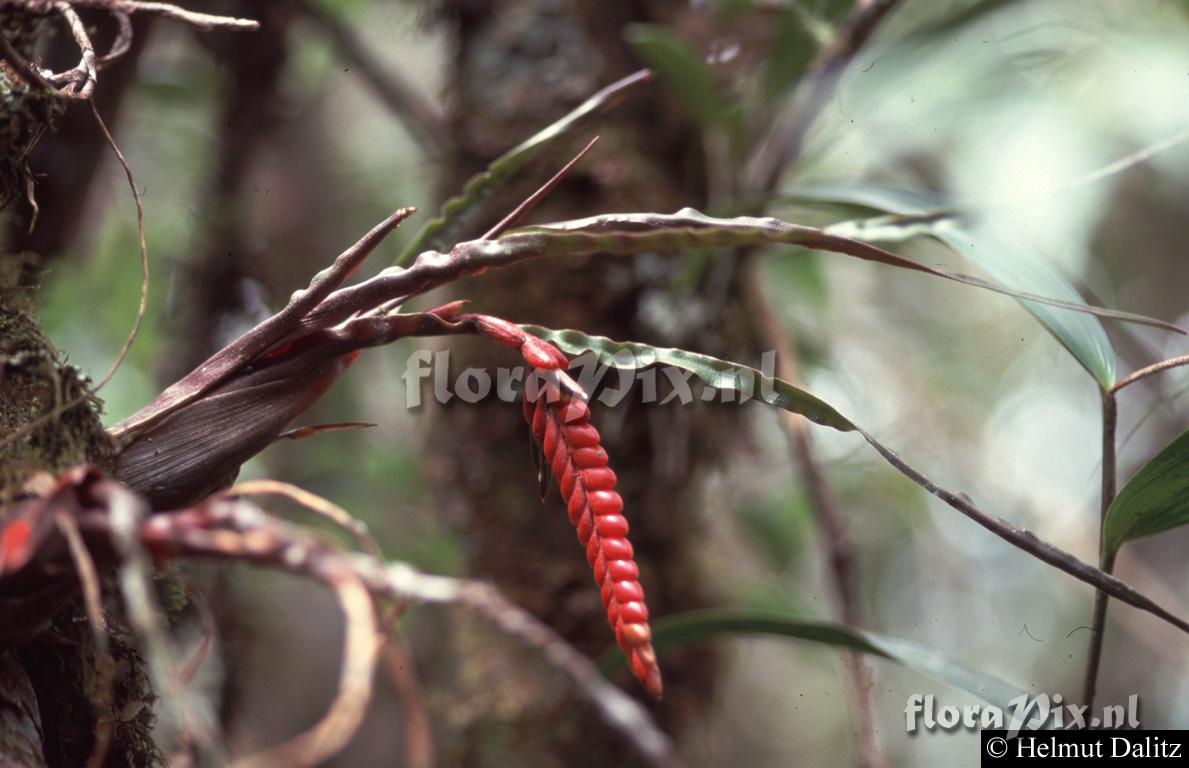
(180, 453)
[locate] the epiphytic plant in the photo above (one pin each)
(170, 493)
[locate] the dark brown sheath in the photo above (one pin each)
(199, 449)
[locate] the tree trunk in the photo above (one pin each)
(516, 68)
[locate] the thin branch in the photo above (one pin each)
(831, 524)
(1110, 419)
(346, 713)
(126, 513)
(123, 42)
(788, 135)
(519, 212)
(1143, 373)
(1028, 542)
(28, 72)
(204, 21)
(144, 253)
(87, 66)
(623, 713)
(240, 531)
(423, 119)
(324, 508)
(92, 597)
(419, 745)
(206, 621)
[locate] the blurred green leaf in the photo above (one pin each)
(686, 75)
(776, 528)
(695, 626)
(1155, 500)
(886, 198)
(793, 47)
(749, 382)
(991, 247)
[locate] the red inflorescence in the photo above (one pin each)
(560, 421)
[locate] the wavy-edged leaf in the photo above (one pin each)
(631, 233)
(695, 626)
(993, 249)
(724, 374)
(749, 382)
(457, 211)
(1154, 501)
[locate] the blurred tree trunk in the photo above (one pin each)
(517, 67)
(47, 652)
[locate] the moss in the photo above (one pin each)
(33, 382)
(26, 112)
(64, 663)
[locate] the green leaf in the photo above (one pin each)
(749, 382)
(793, 47)
(995, 250)
(686, 74)
(885, 198)
(1015, 265)
(458, 211)
(633, 233)
(695, 626)
(1155, 500)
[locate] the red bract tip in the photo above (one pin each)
(14, 545)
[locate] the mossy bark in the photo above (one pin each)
(47, 655)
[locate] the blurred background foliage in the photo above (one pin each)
(1013, 110)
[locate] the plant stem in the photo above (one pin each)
(832, 527)
(1110, 418)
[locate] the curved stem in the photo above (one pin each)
(1143, 373)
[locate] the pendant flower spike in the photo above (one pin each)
(556, 409)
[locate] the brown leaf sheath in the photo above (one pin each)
(560, 421)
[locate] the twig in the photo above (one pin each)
(345, 714)
(85, 568)
(423, 119)
(240, 531)
(60, 409)
(831, 525)
(788, 136)
(419, 746)
(204, 21)
(1143, 373)
(324, 508)
(87, 66)
(206, 621)
(126, 512)
(1027, 541)
(617, 709)
(519, 212)
(1110, 418)
(28, 72)
(144, 253)
(123, 42)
